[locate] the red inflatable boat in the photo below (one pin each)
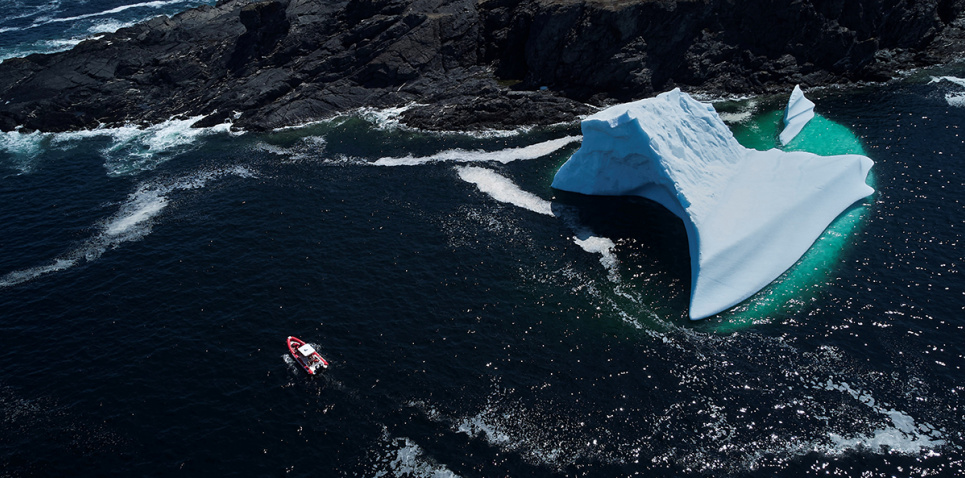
(306, 356)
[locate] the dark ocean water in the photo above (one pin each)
(478, 322)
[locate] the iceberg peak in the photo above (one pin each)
(749, 215)
(799, 111)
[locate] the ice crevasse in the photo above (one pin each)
(749, 215)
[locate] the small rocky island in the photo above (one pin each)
(464, 64)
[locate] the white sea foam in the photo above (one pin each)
(95, 31)
(97, 28)
(504, 156)
(539, 435)
(745, 114)
(18, 10)
(956, 98)
(382, 118)
(504, 190)
(41, 46)
(153, 5)
(22, 147)
(802, 388)
(903, 435)
(133, 220)
(950, 79)
(307, 149)
(391, 119)
(405, 458)
(41, 20)
(108, 26)
(132, 149)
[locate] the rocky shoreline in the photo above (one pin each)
(464, 64)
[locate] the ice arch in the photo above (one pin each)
(749, 215)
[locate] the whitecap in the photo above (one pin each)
(108, 26)
(95, 30)
(308, 148)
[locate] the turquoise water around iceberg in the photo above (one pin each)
(801, 285)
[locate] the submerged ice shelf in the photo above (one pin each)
(749, 215)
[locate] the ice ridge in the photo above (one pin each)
(749, 215)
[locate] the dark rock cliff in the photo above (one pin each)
(466, 63)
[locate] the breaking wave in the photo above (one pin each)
(131, 149)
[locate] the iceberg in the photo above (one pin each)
(749, 215)
(799, 111)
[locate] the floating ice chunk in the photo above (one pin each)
(799, 111)
(749, 215)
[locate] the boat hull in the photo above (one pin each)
(306, 356)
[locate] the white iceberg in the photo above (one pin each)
(799, 111)
(749, 215)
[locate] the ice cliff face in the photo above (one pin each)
(749, 215)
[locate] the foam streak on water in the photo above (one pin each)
(502, 189)
(133, 220)
(504, 156)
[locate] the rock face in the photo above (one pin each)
(466, 63)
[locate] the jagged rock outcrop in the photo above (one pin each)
(466, 63)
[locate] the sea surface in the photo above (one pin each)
(478, 322)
